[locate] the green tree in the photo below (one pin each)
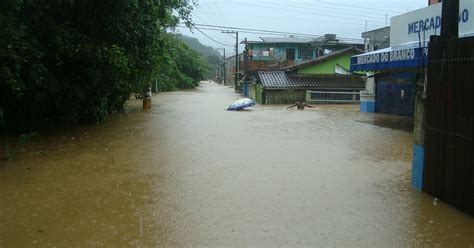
(76, 61)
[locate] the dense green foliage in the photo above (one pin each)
(213, 57)
(75, 61)
(179, 66)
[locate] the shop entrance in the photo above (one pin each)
(395, 94)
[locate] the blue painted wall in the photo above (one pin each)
(245, 89)
(394, 98)
(395, 93)
(417, 167)
(367, 106)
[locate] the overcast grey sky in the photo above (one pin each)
(345, 18)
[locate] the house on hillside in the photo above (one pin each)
(326, 73)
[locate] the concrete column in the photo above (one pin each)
(419, 138)
(367, 97)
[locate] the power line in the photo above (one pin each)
(350, 40)
(291, 19)
(262, 31)
(207, 23)
(345, 13)
(210, 17)
(229, 35)
(246, 32)
(304, 12)
(256, 30)
(218, 42)
(358, 7)
(341, 9)
(224, 20)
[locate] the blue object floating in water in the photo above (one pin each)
(241, 104)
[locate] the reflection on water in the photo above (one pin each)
(189, 173)
(388, 121)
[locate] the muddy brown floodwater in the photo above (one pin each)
(189, 173)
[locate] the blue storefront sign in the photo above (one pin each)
(409, 37)
(390, 59)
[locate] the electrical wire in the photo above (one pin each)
(219, 11)
(345, 13)
(304, 12)
(212, 18)
(293, 19)
(366, 11)
(218, 42)
(348, 40)
(207, 23)
(358, 7)
(262, 31)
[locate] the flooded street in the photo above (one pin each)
(189, 173)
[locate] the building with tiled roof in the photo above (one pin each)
(329, 73)
(279, 87)
(280, 80)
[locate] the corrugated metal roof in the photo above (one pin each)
(280, 80)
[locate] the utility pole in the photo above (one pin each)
(236, 83)
(236, 59)
(246, 58)
(449, 20)
(224, 68)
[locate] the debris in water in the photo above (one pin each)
(241, 104)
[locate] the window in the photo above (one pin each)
(304, 53)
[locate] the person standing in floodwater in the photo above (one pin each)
(299, 105)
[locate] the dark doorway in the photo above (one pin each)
(395, 99)
(290, 54)
(395, 94)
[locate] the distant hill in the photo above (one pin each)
(213, 56)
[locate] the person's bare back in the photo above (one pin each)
(299, 105)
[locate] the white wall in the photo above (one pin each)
(410, 27)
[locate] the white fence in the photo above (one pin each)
(332, 96)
